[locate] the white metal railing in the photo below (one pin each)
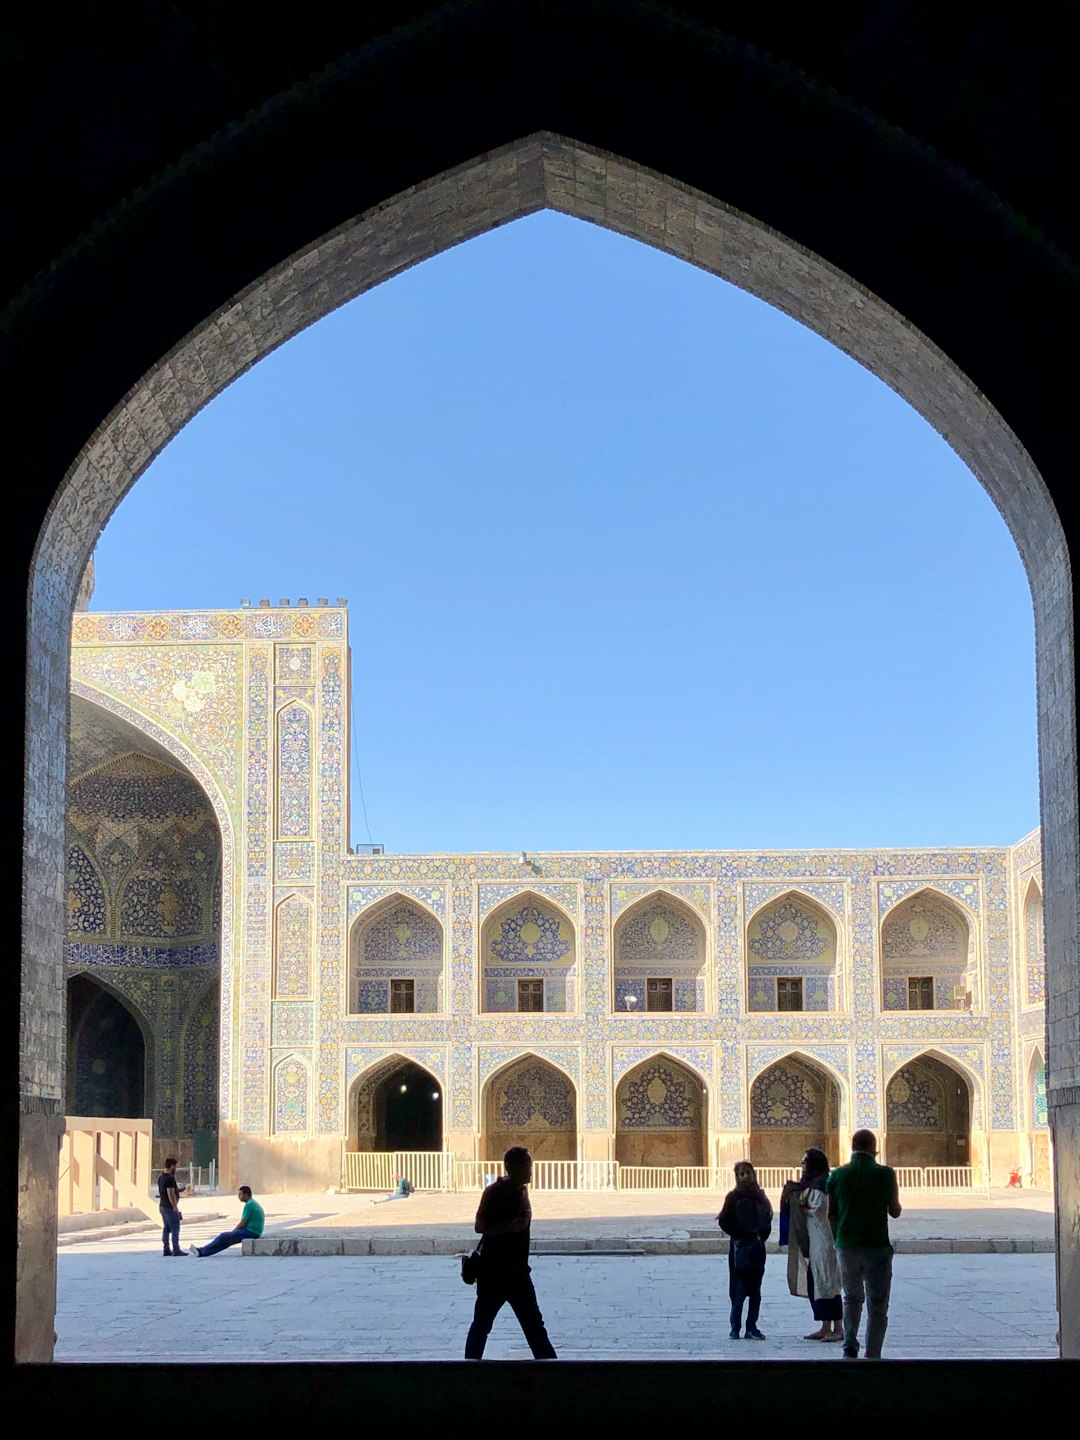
(379, 1169)
(598, 1175)
(555, 1175)
(438, 1170)
(910, 1177)
(646, 1177)
(773, 1178)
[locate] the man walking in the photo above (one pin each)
(503, 1219)
(252, 1223)
(862, 1197)
(169, 1206)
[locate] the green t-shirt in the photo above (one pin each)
(863, 1190)
(253, 1217)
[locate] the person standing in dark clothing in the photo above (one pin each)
(863, 1197)
(504, 1219)
(169, 1205)
(747, 1217)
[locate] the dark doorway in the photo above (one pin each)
(409, 1111)
(106, 1069)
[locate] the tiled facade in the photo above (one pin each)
(253, 703)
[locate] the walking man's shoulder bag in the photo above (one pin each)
(470, 1266)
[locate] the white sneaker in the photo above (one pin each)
(192, 1250)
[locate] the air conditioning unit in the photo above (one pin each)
(962, 996)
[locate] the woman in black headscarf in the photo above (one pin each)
(747, 1217)
(813, 1267)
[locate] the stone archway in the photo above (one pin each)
(533, 1103)
(659, 956)
(928, 1106)
(661, 1114)
(107, 1054)
(396, 1105)
(794, 1105)
(803, 112)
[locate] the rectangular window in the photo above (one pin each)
(789, 993)
(920, 992)
(402, 997)
(658, 995)
(530, 994)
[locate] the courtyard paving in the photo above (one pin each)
(116, 1301)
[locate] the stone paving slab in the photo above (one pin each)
(116, 1302)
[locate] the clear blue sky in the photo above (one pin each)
(632, 561)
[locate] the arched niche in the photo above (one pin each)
(396, 1104)
(396, 959)
(661, 1114)
(294, 948)
(660, 956)
(530, 1102)
(927, 955)
(792, 956)
(928, 1105)
(291, 1096)
(1034, 978)
(794, 1105)
(1039, 1168)
(107, 1054)
(528, 957)
(199, 1074)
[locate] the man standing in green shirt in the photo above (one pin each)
(252, 1222)
(862, 1197)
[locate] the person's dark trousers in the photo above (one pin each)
(170, 1230)
(744, 1287)
(516, 1290)
(225, 1239)
(867, 1273)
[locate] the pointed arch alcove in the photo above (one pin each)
(530, 1102)
(661, 1114)
(928, 954)
(1033, 983)
(792, 956)
(109, 1053)
(395, 1104)
(396, 959)
(660, 948)
(795, 1104)
(528, 957)
(1040, 1160)
(929, 1112)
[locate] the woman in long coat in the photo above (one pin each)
(813, 1266)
